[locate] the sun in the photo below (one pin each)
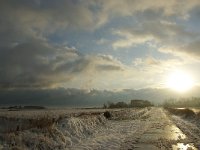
(179, 81)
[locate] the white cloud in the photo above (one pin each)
(189, 51)
(128, 8)
(130, 39)
(160, 32)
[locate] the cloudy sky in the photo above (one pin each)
(97, 44)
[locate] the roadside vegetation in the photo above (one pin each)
(133, 103)
(182, 102)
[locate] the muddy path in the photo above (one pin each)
(161, 133)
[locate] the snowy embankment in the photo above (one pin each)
(57, 129)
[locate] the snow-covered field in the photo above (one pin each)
(79, 129)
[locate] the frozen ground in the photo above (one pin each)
(141, 129)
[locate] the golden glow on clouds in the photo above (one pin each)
(180, 81)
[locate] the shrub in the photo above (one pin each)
(107, 114)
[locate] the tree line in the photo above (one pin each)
(182, 102)
(133, 103)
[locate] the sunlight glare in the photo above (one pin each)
(180, 81)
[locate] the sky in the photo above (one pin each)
(104, 45)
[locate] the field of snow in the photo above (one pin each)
(90, 129)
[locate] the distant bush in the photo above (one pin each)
(34, 107)
(16, 108)
(118, 105)
(140, 103)
(107, 114)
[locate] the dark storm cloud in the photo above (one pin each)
(27, 58)
(35, 64)
(77, 97)
(38, 64)
(22, 20)
(47, 16)
(44, 17)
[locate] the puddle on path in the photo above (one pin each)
(173, 133)
(181, 146)
(170, 132)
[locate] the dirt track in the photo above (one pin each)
(152, 130)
